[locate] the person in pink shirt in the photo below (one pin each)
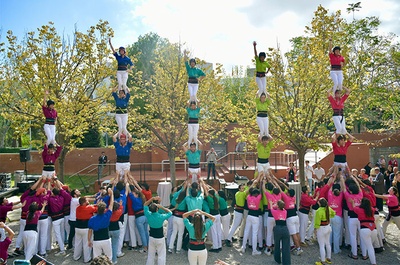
(6, 206)
(337, 62)
(273, 199)
(335, 198)
(353, 198)
(252, 221)
(5, 242)
(337, 104)
(281, 233)
(51, 119)
(365, 214)
(392, 203)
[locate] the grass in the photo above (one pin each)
(76, 183)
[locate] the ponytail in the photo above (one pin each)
(324, 203)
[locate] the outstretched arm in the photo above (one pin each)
(330, 45)
(351, 137)
(347, 90)
(255, 48)
(45, 98)
(112, 48)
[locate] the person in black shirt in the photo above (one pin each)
(102, 161)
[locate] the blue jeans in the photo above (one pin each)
(310, 183)
(143, 228)
(114, 244)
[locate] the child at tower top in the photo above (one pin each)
(262, 68)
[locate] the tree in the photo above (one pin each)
(161, 121)
(74, 71)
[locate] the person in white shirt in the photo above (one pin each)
(308, 172)
(319, 173)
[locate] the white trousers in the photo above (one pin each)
(197, 257)
(57, 224)
(170, 228)
(337, 78)
(263, 125)
(22, 223)
(122, 122)
(237, 219)
(380, 236)
(216, 232)
(193, 91)
(102, 246)
(122, 167)
(178, 228)
(122, 228)
(293, 225)
(43, 226)
(225, 221)
(337, 233)
(303, 218)
(262, 85)
(310, 232)
(122, 78)
(323, 235)
(270, 231)
(193, 130)
(243, 225)
(81, 245)
(30, 243)
(346, 227)
(252, 224)
(260, 234)
(367, 237)
(194, 173)
(133, 232)
(354, 226)
(156, 245)
(50, 131)
(264, 167)
(340, 124)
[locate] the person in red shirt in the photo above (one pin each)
(340, 146)
(337, 62)
(337, 104)
(306, 201)
(6, 206)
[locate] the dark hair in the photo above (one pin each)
(367, 182)
(320, 184)
(304, 189)
(269, 186)
(341, 137)
(264, 138)
(153, 208)
(32, 209)
(181, 196)
(276, 191)
(121, 90)
(336, 192)
(324, 203)
(395, 190)
(145, 186)
(291, 192)
(366, 205)
(73, 192)
(50, 146)
(115, 206)
(117, 194)
(354, 189)
(193, 103)
(121, 48)
(192, 144)
(120, 186)
(262, 94)
(198, 226)
(193, 192)
(82, 200)
(215, 199)
(336, 186)
(192, 61)
(336, 48)
(222, 194)
(262, 54)
(56, 191)
(50, 102)
(2, 199)
(255, 192)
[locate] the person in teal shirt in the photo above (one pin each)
(193, 110)
(197, 230)
(195, 76)
(193, 155)
(178, 228)
(262, 104)
(262, 68)
(156, 220)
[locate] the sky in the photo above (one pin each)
(218, 31)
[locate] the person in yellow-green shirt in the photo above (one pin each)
(264, 147)
(262, 104)
(262, 68)
(322, 225)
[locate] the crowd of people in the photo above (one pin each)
(342, 204)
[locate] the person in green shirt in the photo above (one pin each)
(212, 199)
(197, 230)
(156, 220)
(262, 68)
(322, 225)
(264, 147)
(193, 155)
(262, 104)
(195, 76)
(193, 110)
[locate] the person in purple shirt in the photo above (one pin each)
(56, 204)
(6, 206)
(51, 118)
(5, 242)
(49, 156)
(123, 62)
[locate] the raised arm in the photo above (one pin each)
(111, 194)
(255, 48)
(351, 137)
(184, 147)
(45, 98)
(330, 45)
(112, 48)
(347, 90)
(334, 139)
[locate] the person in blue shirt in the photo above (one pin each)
(193, 110)
(195, 76)
(123, 69)
(123, 151)
(197, 230)
(121, 109)
(98, 227)
(193, 155)
(123, 188)
(156, 220)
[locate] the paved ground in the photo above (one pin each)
(391, 255)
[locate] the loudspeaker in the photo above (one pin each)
(24, 155)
